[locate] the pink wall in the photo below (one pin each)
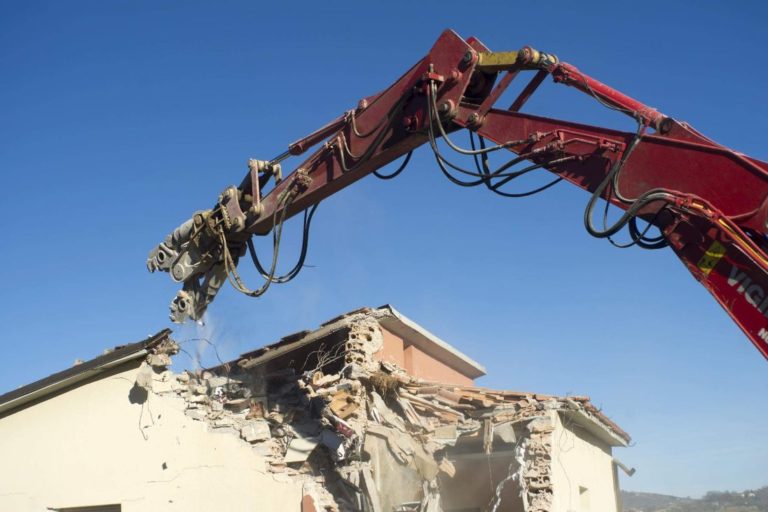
(417, 363)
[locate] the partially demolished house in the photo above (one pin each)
(369, 412)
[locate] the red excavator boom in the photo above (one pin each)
(708, 202)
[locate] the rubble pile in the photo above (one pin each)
(369, 436)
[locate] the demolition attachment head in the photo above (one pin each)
(203, 251)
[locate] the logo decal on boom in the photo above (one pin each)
(753, 293)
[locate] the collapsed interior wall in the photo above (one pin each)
(361, 434)
(482, 479)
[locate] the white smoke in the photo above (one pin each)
(201, 342)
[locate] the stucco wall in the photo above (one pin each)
(92, 446)
(582, 470)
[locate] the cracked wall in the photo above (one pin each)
(91, 445)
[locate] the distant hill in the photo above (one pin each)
(714, 501)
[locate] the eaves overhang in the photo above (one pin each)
(80, 372)
(431, 344)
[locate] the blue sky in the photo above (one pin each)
(122, 118)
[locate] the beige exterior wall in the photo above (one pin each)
(582, 470)
(91, 446)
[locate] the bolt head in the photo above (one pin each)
(475, 120)
(665, 125)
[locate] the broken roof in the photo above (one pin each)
(578, 409)
(314, 420)
(387, 316)
(486, 402)
(79, 372)
(413, 434)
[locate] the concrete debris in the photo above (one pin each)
(255, 430)
(365, 435)
(505, 432)
(144, 377)
(154, 369)
(300, 448)
(160, 355)
(447, 467)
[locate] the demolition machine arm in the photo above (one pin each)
(706, 202)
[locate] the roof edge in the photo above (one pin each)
(388, 317)
(424, 339)
(71, 376)
(598, 427)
